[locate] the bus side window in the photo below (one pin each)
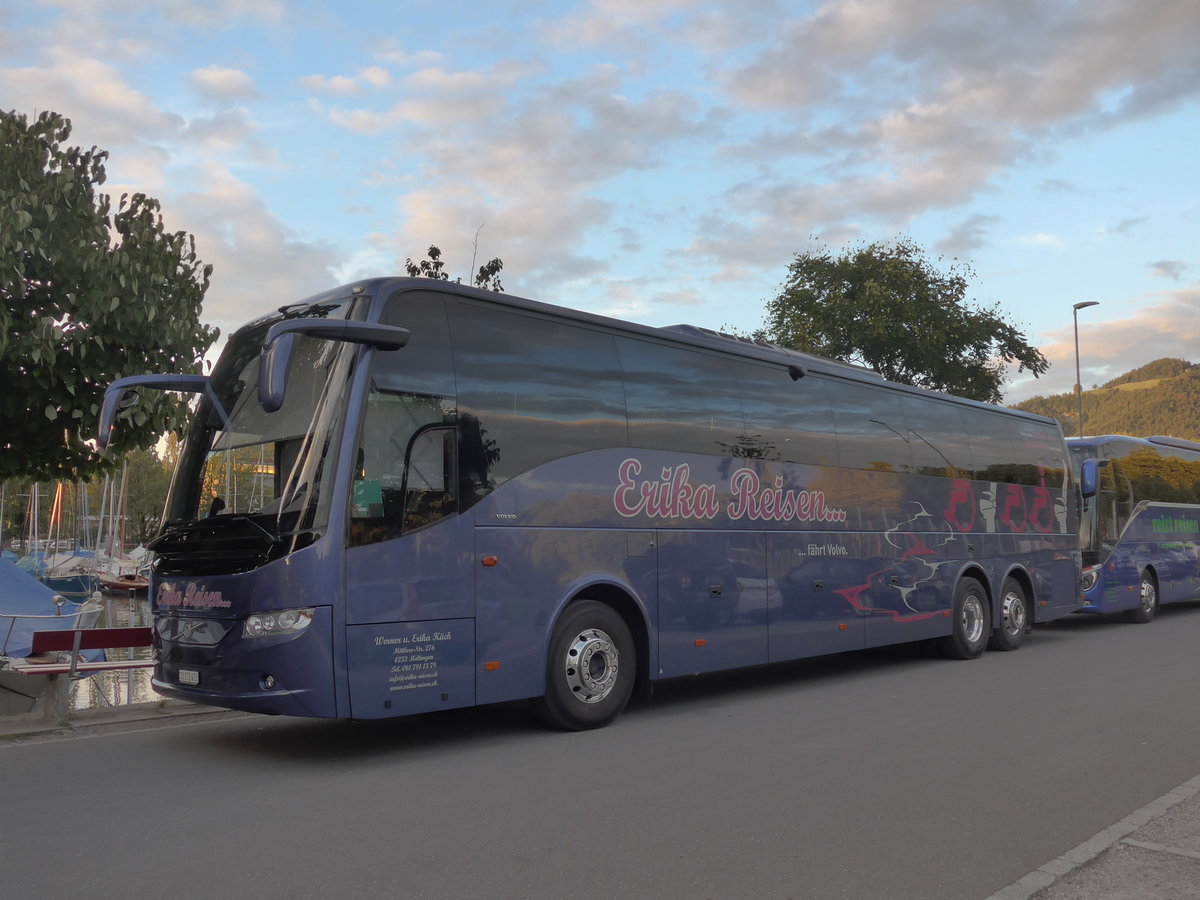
(530, 390)
(786, 419)
(1000, 451)
(870, 428)
(429, 489)
(410, 408)
(936, 437)
(685, 401)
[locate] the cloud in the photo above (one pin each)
(840, 119)
(390, 49)
(1058, 186)
(524, 164)
(611, 22)
(1167, 326)
(370, 78)
(940, 97)
(1168, 268)
(258, 262)
(101, 104)
(228, 132)
(332, 84)
(223, 85)
(376, 76)
(1042, 239)
(1125, 226)
(969, 234)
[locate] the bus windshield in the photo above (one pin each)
(270, 467)
(1089, 533)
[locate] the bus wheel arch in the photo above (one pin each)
(596, 655)
(1148, 599)
(1013, 612)
(970, 617)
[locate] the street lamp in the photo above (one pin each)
(1079, 387)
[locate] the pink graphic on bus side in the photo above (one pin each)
(674, 496)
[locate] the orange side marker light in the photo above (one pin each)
(489, 560)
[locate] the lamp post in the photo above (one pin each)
(1079, 387)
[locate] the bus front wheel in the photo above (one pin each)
(590, 668)
(1014, 617)
(1148, 604)
(969, 634)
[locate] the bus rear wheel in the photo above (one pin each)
(1014, 618)
(1148, 605)
(590, 668)
(969, 633)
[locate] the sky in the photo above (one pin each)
(660, 161)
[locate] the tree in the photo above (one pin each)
(148, 481)
(88, 294)
(889, 308)
(487, 278)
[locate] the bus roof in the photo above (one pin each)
(1160, 440)
(798, 363)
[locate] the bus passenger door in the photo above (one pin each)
(713, 601)
(410, 588)
(818, 577)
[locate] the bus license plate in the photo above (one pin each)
(189, 676)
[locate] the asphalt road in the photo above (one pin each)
(883, 774)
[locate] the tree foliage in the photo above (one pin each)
(149, 477)
(88, 293)
(888, 307)
(487, 278)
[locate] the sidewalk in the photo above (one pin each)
(33, 726)
(1152, 854)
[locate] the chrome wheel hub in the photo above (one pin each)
(1013, 609)
(1149, 596)
(591, 665)
(972, 619)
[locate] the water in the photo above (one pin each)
(103, 690)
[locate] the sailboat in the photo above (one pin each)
(70, 570)
(59, 562)
(118, 572)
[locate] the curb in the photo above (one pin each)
(1058, 870)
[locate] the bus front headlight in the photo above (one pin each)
(277, 622)
(1089, 578)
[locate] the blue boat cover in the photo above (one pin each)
(21, 596)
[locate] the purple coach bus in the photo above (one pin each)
(406, 495)
(1140, 534)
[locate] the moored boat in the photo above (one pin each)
(27, 605)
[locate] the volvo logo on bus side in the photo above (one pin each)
(192, 595)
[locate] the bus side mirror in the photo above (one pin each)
(126, 392)
(272, 371)
(129, 399)
(281, 338)
(1089, 476)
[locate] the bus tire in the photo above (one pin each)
(1148, 603)
(969, 634)
(590, 668)
(1014, 617)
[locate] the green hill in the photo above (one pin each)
(1162, 397)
